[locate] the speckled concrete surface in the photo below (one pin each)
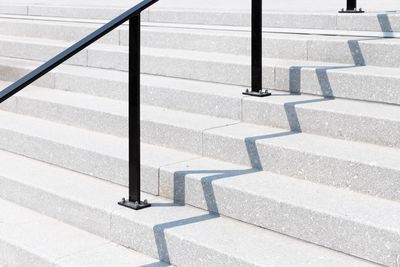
(289, 5)
(179, 234)
(30, 239)
(324, 151)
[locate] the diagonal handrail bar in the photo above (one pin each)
(133, 15)
(73, 50)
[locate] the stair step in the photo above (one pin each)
(365, 168)
(47, 28)
(208, 238)
(96, 154)
(361, 167)
(336, 118)
(349, 49)
(30, 239)
(368, 23)
(79, 110)
(371, 83)
(294, 207)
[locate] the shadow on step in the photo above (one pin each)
(160, 232)
(384, 23)
(155, 264)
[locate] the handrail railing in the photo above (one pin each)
(133, 15)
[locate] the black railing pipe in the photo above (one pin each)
(256, 51)
(73, 50)
(133, 15)
(134, 200)
(351, 7)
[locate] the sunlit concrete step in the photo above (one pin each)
(28, 238)
(53, 29)
(321, 78)
(69, 108)
(327, 21)
(344, 119)
(362, 167)
(342, 49)
(102, 155)
(209, 239)
(356, 166)
(290, 206)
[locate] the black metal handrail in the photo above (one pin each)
(133, 15)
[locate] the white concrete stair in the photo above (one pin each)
(373, 22)
(289, 180)
(361, 167)
(371, 83)
(338, 219)
(31, 239)
(339, 163)
(207, 239)
(373, 51)
(336, 118)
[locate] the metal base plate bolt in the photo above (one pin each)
(352, 11)
(134, 205)
(261, 93)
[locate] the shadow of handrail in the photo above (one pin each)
(210, 176)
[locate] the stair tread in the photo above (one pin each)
(330, 22)
(101, 142)
(58, 243)
(319, 145)
(296, 192)
(66, 135)
(354, 151)
(188, 223)
(344, 106)
(376, 71)
(192, 29)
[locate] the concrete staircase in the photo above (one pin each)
(310, 179)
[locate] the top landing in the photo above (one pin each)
(268, 5)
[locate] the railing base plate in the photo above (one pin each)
(134, 205)
(262, 93)
(351, 11)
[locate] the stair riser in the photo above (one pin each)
(358, 176)
(79, 117)
(225, 106)
(359, 51)
(338, 82)
(11, 255)
(55, 31)
(84, 161)
(293, 116)
(102, 166)
(13, 9)
(311, 225)
(361, 177)
(129, 232)
(79, 12)
(10, 48)
(366, 22)
(220, 72)
(12, 74)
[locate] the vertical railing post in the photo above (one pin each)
(134, 200)
(256, 51)
(351, 7)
